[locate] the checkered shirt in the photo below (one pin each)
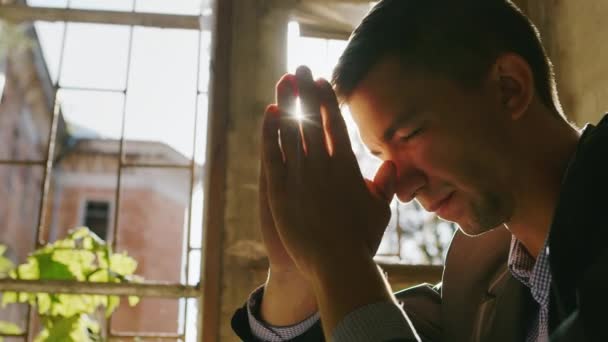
(536, 275)
(382, 321)
(270, 333)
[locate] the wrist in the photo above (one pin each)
(288, 298)
(343, 285)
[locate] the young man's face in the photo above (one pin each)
(448, 142)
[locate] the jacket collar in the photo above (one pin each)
(578, 233)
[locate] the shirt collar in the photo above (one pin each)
(534, 274)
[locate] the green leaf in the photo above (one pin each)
(103, 259)
(9, 298)
(51, 269)
(9, 328)
(29, 271)
(113, 302)
(82, 256)
(79, 262)
(44, 303)
(79, 233)
(5, 264)
(87, 243)
(133, 300)
(62, 330)
(122, 264)
(99, 276)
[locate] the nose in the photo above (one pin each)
(410, 179)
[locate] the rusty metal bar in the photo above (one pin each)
(21, 13)
(92, 89)
(48, 166)
(23, 162)
(192, 168)
(121, 153)
(133, 334)
(154, 166)
(22, 335)
(148, 289)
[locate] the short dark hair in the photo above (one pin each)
(460, 39)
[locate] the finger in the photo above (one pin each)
(291, 140)
(272, 157)
(265, 215)
(385, 180)
(286, 93)
(269, 234)
(312, 126)
(333, 121)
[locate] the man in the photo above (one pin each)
(458, 99)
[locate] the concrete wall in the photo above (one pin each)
(575, 36)
(257, 59)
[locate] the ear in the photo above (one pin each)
(515, 81)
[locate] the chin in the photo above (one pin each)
(472, 231)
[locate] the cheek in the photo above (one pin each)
(451, 162)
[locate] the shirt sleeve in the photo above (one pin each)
(266, 332)
(383, 321)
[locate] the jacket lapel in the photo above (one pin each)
(481, 301)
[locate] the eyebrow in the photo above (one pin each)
(401, 120)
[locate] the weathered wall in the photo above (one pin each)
(575, 37)
(259, 59)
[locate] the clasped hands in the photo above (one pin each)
(317, 209)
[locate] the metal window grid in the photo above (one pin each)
(21, 13)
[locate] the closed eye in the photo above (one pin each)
(411, 135)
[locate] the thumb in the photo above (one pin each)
(385, 180)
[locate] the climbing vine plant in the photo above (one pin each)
(81, 256)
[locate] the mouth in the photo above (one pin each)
(437, 206)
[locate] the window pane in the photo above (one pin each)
(20, 187)
(97, 217)
(194, 267)
(92, 114)
(86, 174)
(150, 315)
(48, 3)
(95, 56)
(24, 130)
(111, 5)
(191, 319)
(192, 7)
(303, 55)
(50, 36)
(196, 224)
(162, 89)
(15, 314)
(152, 219)
(201, 131)
(205, 61)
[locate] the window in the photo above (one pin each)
(97, 217)
(123, 110)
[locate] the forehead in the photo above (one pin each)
(390, 89)
(387, 91)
